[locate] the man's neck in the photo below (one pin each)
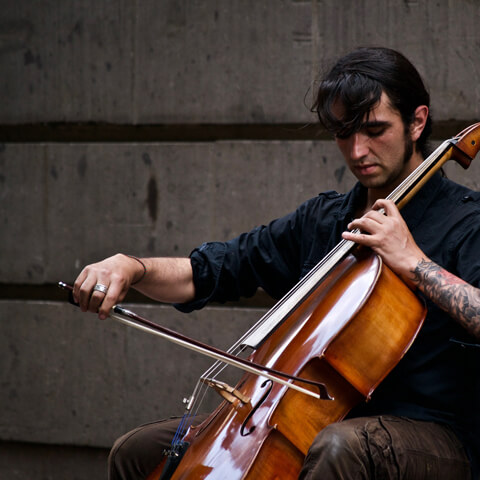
(373, 194)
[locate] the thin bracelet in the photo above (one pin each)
(142, 264)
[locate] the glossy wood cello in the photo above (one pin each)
(345, 325)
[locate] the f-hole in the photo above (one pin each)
(244, 431)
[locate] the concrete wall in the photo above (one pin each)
(73, 73)
(186, 61)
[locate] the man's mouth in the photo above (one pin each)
(366, 169)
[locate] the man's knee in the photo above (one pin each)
(123, 460)
(337, 439)
(337, 450)
(135, 454)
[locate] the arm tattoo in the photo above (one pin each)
(456, 297)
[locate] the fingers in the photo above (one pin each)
(389, 207)
(360, 238)
(368, 222)
(375, 227)
(383, 214)
(90, 290)
(116, 293)
(98, 295)
(97, 289)
(83, 288)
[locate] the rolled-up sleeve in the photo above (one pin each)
(265, 257)
(207, 261)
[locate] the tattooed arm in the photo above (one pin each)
(458, 298)
(389, 237)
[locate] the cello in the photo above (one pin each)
(345, 325)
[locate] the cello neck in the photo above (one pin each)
(461, 148)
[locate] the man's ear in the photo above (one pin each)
(419, 121)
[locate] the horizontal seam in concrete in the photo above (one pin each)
(104, 132)
(52, 293)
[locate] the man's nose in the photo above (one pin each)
(358, 146)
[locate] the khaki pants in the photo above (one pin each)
(383, 447)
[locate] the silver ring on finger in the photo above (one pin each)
(99, 287)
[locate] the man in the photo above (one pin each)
(422, 422)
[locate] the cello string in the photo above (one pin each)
(186, 421)
(198, 397)
(199, 394)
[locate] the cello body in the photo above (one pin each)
(349, 334)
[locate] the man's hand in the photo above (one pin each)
(387, 235)
(102, 285)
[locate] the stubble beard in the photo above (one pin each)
(393, 179)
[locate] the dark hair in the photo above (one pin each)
(357, 81)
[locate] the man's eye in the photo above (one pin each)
(375, 132)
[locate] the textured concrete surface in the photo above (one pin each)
(73, 204)
(46, 462)
(244, 61)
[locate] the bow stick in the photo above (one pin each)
(131, 319)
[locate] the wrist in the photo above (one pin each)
(141, 274)
(417, 268)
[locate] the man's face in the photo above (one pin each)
(380, 153)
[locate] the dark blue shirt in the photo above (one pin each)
(439, 377)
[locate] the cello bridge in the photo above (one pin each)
(227, 392)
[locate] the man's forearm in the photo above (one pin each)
(167, 280)
(455, 296)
